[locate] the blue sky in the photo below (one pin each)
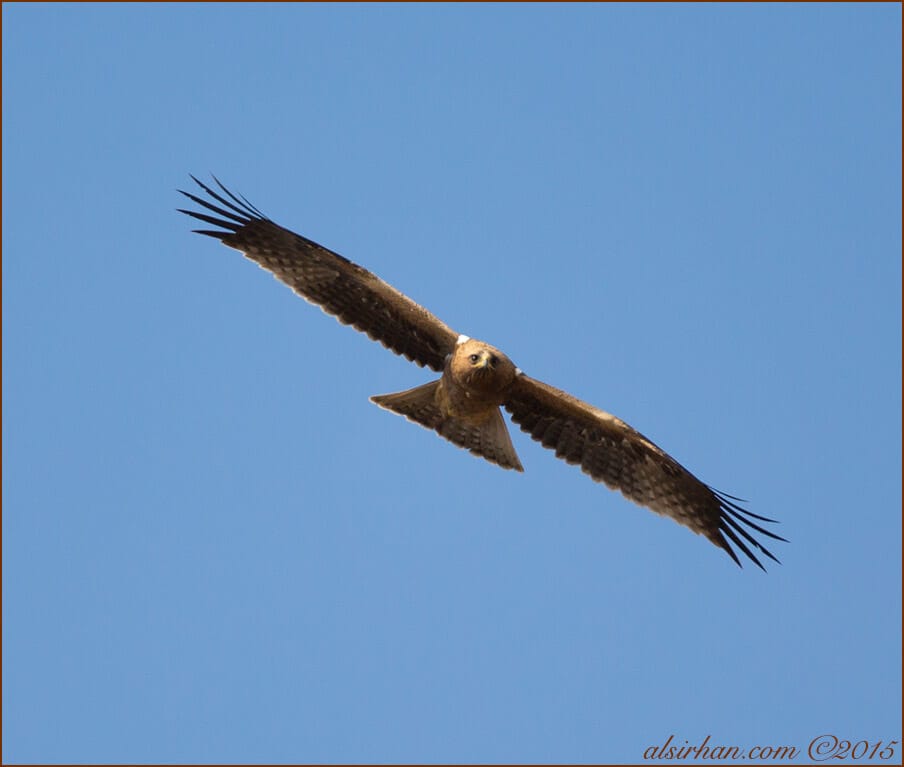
(216, 549)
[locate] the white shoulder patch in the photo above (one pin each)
(463, 339)
(519, 372)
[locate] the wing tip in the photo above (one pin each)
(731, 528)
(234, 213)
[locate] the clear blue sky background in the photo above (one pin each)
(215, 548)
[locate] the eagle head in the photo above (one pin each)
(481, 368)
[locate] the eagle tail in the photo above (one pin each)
(418, 404)
(485, 436)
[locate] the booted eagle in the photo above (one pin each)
(463, 405)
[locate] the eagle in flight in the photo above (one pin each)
(463, 405)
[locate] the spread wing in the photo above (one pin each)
(612, 452)
(352, 294)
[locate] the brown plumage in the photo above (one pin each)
(463, 405)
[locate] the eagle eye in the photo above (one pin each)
(474, 359)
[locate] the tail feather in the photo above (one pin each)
(419, 405)
(485, 435)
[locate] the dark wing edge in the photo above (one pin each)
(340, 287)
(611, 452)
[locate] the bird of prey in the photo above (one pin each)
(463, 405)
